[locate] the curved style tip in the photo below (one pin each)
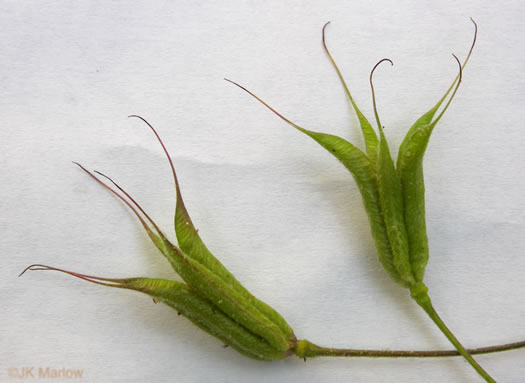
(111, 282)
(324, 42)
(175, 179)
(32, 268)
(372, 88)
(375, 67)
(382, 61)
(80, 166)
(460, 68)
(137, 116)
(325, 25)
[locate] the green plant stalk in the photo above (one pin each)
(420, 295)
(306, 349)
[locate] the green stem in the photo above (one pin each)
(420, 295)
(306, 349)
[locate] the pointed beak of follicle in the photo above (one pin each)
(89, 278)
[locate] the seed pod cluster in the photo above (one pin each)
(212, 298)
(392, 193)
(393, 196)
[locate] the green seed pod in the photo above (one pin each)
(187, 302)
(410, 170)
(240, 309)
(364, 172)
(413, 190)
(200, 269)
(211, 298)
(192, 245)
(392, 206)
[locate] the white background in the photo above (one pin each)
(282, 214)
